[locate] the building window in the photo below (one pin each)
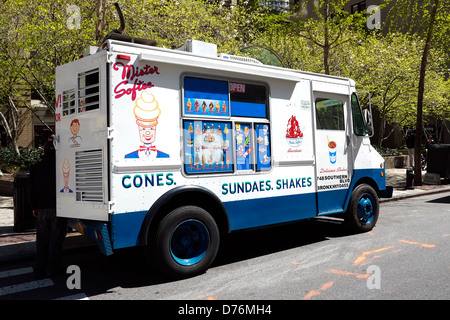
(358, 7)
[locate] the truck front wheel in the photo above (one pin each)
(363, 209)
(186, 242)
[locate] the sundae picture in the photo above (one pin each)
(294, 136)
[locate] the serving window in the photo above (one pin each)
(248, 100)
(215, 138)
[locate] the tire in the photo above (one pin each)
(363, 209)
(186, 242)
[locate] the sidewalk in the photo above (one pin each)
(16, 245)
(20, 245)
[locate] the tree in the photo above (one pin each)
(387, 67)
(430, 19)
(172, 22)
(36, 37)
(330, 29)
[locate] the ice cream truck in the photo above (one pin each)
(172, 149)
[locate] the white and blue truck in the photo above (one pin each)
(172, 149)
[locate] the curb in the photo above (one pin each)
(414, 195)
(27, 249)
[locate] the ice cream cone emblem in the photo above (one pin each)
(66, 175)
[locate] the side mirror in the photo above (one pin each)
(367, 116)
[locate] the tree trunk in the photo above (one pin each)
(419, 123)
(101, 16)
(326, 45)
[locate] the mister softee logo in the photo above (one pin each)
(132, 75)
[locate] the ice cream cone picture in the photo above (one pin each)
(224, 107)
(147, 112)
(66, 176)
(189, 105)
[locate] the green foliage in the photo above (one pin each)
(39, 35)
(11, 163)
(387, 152)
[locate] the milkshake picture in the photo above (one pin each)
(332, 151)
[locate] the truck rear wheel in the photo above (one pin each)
(186, 242)
(363, 209)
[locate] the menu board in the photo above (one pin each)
(205, 97)
(207, 146)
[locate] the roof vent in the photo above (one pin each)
(239, 58)
(199, 47)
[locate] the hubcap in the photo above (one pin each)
(365, 209)
(189, 242)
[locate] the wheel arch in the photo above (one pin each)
(182, 196)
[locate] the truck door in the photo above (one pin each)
(333, 150)
(81, 143)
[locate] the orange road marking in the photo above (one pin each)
(313, 293)
(348, 273)
(363, 256)
(425, 245)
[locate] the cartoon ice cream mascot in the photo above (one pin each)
(66, 175)
(146, 111)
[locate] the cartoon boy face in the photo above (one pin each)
(75, 127)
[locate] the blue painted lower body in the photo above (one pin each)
(245, 214)
(94, 230)
(125, 228)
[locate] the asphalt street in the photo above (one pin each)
(405, 257)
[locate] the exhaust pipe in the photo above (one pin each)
(116, 34)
